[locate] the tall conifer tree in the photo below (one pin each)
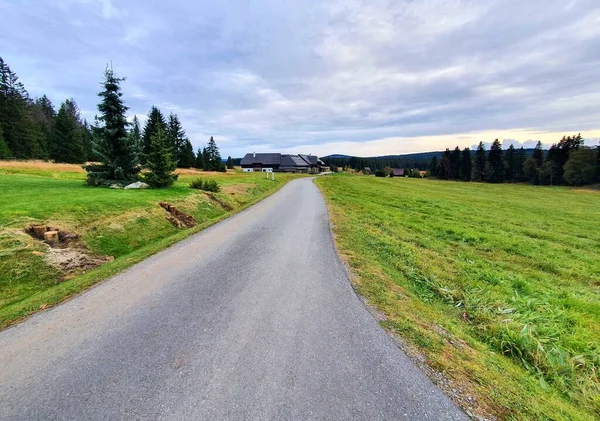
(496, 163)
(160, 162)
(480, 162)
(67, 136)
(466, 165)
(111, 142)
(155, 121)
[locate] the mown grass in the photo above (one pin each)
(126, 224)
(497, 285)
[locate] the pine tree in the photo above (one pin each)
(433, 166)
(154, 122)
(111, 142)
(466, 165)
(88, 140)
(44, 114)
(160, 162)
(135, 138)
(496, 163)
(444, 169)
(229, 163)
(200, 159)
(521, 156)
(480, 163)
(510, 164)
(598, 160)
(176, 136)
(213, 161)
(581, 168)
(187, 158)
(4, 151)
(455, 164)
(538, 155)
(67, 139)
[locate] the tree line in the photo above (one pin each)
(119, 150)
(567, 162)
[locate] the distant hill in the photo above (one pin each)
(420, 160)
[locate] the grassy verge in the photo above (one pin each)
(497, 286)
(128, 225)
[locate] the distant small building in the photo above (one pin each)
(270, 162)
(366, 170)
(398, 172)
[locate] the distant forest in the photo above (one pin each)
(32, 128)
(567, 162)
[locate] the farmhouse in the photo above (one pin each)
(398, 172)
(269, 162)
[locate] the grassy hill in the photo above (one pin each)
(495, 286)
(124, 225)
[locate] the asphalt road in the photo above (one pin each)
(251, 319)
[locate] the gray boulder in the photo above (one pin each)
(136, 185)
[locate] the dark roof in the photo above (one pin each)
(261, 158)
(310, 159)
(292, 161)
(398, 171)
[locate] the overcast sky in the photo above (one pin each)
(314, 76)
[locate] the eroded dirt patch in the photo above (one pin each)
(177, 217)
(226, 206)
(65, 250)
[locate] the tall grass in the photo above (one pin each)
(513, 271)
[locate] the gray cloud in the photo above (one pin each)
(273, 75)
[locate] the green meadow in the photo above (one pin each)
(127, 225)
(495, 286)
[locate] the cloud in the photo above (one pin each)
(369, 77)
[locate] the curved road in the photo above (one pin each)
(251, 319)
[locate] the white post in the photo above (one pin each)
(273, 175)
(267, 174)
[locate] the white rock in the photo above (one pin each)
(137, 185)
(115, 186)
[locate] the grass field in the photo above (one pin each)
(496, 286)
(128, 225)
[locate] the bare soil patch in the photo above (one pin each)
(226, 206)
(177, 217)
(65, 250)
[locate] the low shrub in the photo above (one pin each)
(206, 185)
(380, 173)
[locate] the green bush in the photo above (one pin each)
(206, 185)
(380, 173)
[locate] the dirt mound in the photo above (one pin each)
(65, 251)
(70, 259)
(226, 206)
(177, 217)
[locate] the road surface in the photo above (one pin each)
(251, 319)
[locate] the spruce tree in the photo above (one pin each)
(510, 164)
(455, 156)
(598, 160)
(135, 138)
(444, 169)
(480, 162)
(496, 163)
(521, 156)
(44, 115)
(433, 166)
(187, 158)
(111, 143)
(88, 140)
(213, 161)
(538, 155)
(229, 163)
(160, 162)
(176, 136)
(200, 159)
(67, 140)
(466, 165)
(155, 121)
